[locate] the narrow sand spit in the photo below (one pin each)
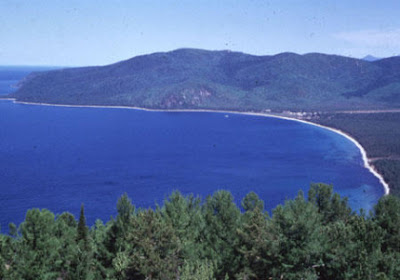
(362, 150)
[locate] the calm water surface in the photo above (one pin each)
(59, 157)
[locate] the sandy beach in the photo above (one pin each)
(361, 148)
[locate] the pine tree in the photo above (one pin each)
(296, 227)
(156, 250)
(115, 247)
(82, 260)
(65, 231)
(82, 231)
(184, 215)
(37, 250)
(387, 216)
(222, 218)
(256, 245)
(251, 201)
(329, 204)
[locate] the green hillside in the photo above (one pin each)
(190, 78)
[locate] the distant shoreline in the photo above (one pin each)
(358, 145)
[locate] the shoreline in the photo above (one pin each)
(366, 161)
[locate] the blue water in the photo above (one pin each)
(59, 157)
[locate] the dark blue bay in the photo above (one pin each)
(59, 157)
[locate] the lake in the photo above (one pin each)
(60, 157)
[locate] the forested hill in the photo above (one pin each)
(191, 78)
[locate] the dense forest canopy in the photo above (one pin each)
(318, 237)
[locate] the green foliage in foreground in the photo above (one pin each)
(187, 238)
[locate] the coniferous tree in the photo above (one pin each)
(122, 224)
(81, 266)
(37, 252)
(65, 231)
(13, 230)
(156, 252)
(387, 216)
(256, 244)
(251, 201)
(116, 247)
(329, 204)
(101, 255)
(185, 216)
(82, 231)
(296, 226)
(222, 218)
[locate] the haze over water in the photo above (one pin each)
(59, 157)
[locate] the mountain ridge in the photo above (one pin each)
(202, 79)
(371, 58)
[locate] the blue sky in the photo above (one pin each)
(86, 32)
